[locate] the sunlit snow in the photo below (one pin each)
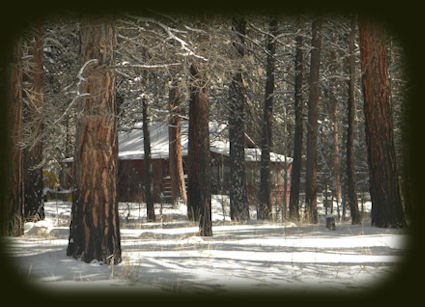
(169, 256)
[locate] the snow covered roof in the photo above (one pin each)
(131, 145)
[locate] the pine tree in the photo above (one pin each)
(265, 207)
(199, 197)
(312, 126)
(147, 163)
(387, 209)
(298, 134)
(14, 225)
(178, 186)
(351, 181)
(239, 210)
(94, 230)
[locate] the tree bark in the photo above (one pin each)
(199, 197)
(311, 213)
(239, 210)
(387, 209)
(147, 163)
(298, 134)
(264, 207)
(178, 186)
(351, 182)
(94, 231)
(33, 112)
(336, 164)
(14, 225)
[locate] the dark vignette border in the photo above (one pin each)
(404, 19)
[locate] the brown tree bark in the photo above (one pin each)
(387, 209)
(298, 134)
(336, 163)
(94, 230)
(14, 225)
(199, 196)
(265, 206)
(239, 210)
(33, 118)
(351, 181)
(311, 213)
(147, 163)
(178, 186)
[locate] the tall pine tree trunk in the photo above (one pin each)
(94, 231)
(14, 226)
(387, 209)
(199, 197)
(336, 165)
(239, 210)
(312, 126)
(178, 187)
(147, 163)
(298, 134)
(33, 117)
(351, 182)
(265, 207)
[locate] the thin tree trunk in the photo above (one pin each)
(199, 198)
(265, 207)
(312, 127)
(33, 154)
(298, 135)
(336, 165)
(387, 209)
(147, 163)
(178, 187)
(285, 170)
(14, 226)
(194, 171)
(94, 231)
(239, 210)
(351, 182)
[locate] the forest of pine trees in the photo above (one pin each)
(327, 92)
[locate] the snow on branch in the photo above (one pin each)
(80, 73)
(146, 67)
(170, 32)
(78, 94)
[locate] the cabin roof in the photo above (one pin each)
(131, 145)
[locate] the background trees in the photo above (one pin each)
(33, 96)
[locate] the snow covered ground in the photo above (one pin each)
(169, 256)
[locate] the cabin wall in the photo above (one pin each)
(131, 179)
(130, 183)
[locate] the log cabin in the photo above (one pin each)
(131, 164)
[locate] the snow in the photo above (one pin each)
(168, 256)
(130, 143)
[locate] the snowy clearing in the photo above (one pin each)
(169, 256)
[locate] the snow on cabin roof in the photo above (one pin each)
(131, 143)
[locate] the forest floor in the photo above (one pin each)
(169, 256)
